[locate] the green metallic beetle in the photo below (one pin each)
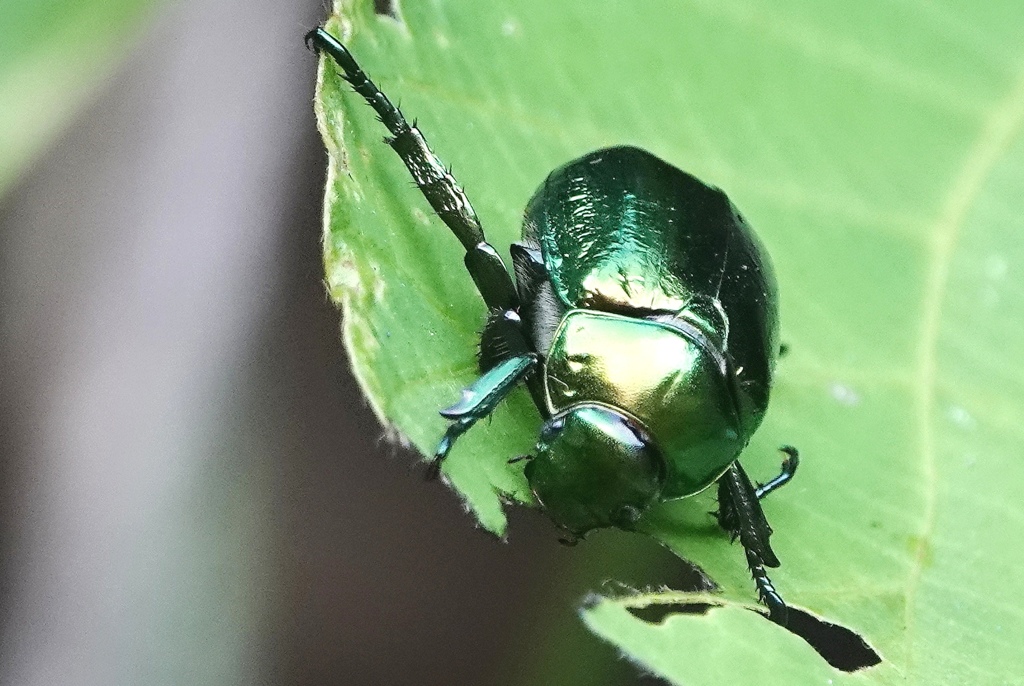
(644, 322)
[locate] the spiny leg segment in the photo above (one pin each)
(435, 182)
(740, 514)
(766, 593)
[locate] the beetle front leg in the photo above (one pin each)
(789, 465)
(478, 401)
(502, 338)
(455, 429)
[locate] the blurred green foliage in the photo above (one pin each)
(52, 55)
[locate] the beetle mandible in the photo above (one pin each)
(644, 321)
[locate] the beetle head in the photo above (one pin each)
(595, 467)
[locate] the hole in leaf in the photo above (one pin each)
(840, 647)
(657, 613)
(690, 577)
(388, 8)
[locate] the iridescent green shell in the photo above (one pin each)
(666, 377)
(669, 306)
(622, 231)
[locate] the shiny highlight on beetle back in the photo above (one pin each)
(667, 378)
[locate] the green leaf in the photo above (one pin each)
(52, 54)
(875, 146)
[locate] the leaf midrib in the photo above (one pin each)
(999, 128)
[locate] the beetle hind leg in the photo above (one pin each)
(434, 180)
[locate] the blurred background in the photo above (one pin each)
(191, 487)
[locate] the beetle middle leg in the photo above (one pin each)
(740, 514)
(433, 179)
(766, 593)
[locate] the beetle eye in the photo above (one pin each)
(552, 429)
